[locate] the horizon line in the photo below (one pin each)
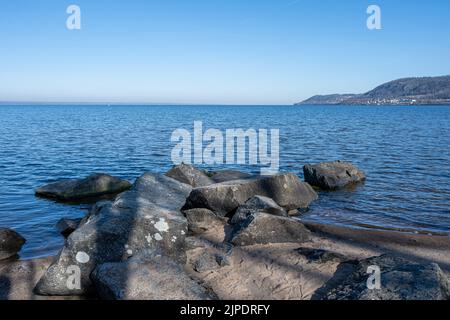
(25, 103)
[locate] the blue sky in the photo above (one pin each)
(215, 51)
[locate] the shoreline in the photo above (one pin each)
(226, 235)
(251, 267)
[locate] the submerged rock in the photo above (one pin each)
(10, 243)
(263, 228)
(66, 226)
(188, 174)
(257, 204)
(147, 277)
(223, 198)
(146, 217)
(332, 175)
(95, 185)
(400, 280)
(228, 175)
(201, 220)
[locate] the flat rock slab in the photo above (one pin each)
(10, 243)
(223, 198)
(400, 280)
(320, 255)
(190, 175)
(263, 228)
(146, 217)
(154, 277)
(95, 185)
(332, 175)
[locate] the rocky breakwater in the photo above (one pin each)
(191, 234)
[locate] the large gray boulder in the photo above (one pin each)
(332, 175)
(95, 185)
(201, 220)
(146, 217)
(260, 204)
(10, 243)
(150, 276)
(190, 175)
(228, 175)
(400, 280)
(223, 198)
(263, 228)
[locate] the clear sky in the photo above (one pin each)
(215, 51)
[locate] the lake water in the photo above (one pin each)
(405, 152)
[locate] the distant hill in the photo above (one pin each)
(408, 91)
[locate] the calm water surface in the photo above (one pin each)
(405, 152)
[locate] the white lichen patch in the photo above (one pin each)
(158, 237)
(130, 252)
(182, 232)
(174, 238)
(82, 257)
(162, 225)
(149, 238)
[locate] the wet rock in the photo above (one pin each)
(229, 175)
(260, 204)
(201, 220)
(400, 280)
(321, 256)
(332, 175)
(263, 228)
(10, 243)
(67, 226)
(95, 185)
(146, 217)
(188, 174)
(148, 277)
(223, 198)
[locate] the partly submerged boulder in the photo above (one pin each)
(95, 185)
(146, 217)
(10, 243)
(201, 220)
(228, 175)
(223, 198)
(332, 175)
(263, 228)
(150, 276)
(188, 174)
(400, 280)
(257, 204)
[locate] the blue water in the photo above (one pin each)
(405, 152)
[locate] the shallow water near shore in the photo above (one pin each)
(403, 150)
